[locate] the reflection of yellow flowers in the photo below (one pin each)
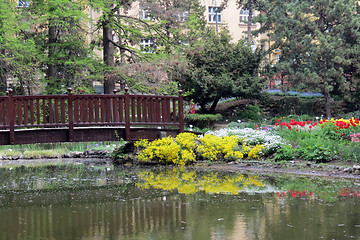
(189, 182)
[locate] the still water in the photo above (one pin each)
(89, 202)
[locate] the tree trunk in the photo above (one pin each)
(3, 76)
(108, 51)
(328, 102)
(51, 67)
(214, 104)
(51, 71)
(212, 108)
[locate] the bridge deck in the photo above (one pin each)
(75, 118)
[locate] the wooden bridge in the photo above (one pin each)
(81, 118)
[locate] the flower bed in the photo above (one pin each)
(187, 147)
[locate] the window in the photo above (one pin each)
(145, 14)
(147, 45)
(214, 15)
(244, 16)
(23, 3)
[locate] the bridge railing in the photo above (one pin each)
(72, 110)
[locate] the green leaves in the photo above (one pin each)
(219, 68)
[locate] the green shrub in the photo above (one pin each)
(350, 151)
(285, 153)
(252, 112)
(350, 115)
(202, 120)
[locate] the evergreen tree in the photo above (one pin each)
(59, 28)
(319, 43)
(18, 52)
(219, 69)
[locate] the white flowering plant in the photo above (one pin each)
(268, 139)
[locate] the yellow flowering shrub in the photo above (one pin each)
(252, 152)
(187, 146)
(186, 140)
(164, 150)
(142, 143)
(212, 147)
(255, 152)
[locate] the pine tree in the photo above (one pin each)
(319, 43)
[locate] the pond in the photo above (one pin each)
(100, 202)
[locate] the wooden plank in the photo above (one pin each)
(50, 111)
(115, 111)
(76, 110)
(19, 112)
(91, 109)
(121, 110)
(158, 109)
(38, 118)
(63, 110)
(83, 110)
(127, 115)
(26, 112)
(138, 108)
(133, 113)
(144, 109)
(108, 110)
(56, 111)
(3, 112)
(102, 110)
(32, 112)
(96, 107)
(44, 111)
(174, 112)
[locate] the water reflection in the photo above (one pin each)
(189, 181)
(86, 203)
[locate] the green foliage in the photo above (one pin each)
(219, 69)
(252, 112)
(319, 47)
(317, 152)
(202, 120)
(355, 114)
(285, 153)
(350, 151)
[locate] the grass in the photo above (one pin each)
(51, 150)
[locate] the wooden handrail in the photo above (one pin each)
(73, 110)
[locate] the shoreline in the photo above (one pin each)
(291, 168)
(331, 170)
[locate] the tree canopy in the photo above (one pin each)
(219, 69)
(319, 43)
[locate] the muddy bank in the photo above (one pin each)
(331, 170)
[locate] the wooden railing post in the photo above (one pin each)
(70, 115)
(10, 109)
(127, 114)
(181, 112)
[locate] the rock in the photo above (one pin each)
(356, 167)
(357, 172)
(76, 154)
(348, 169)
